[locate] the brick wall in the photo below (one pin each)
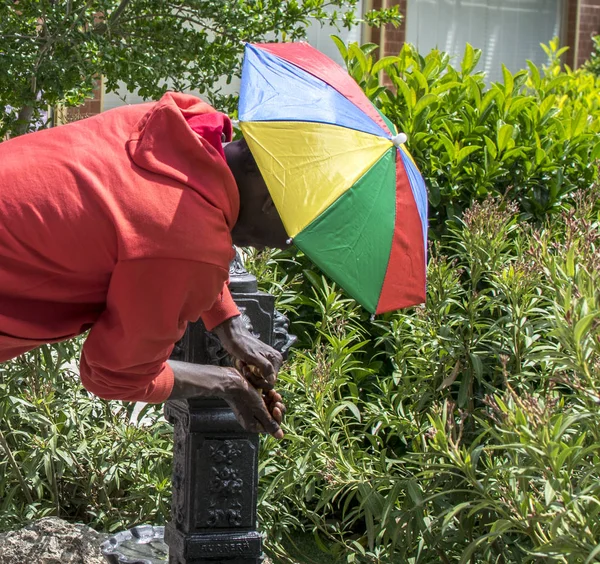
(392, 38)
(589, 24)
(570, 29)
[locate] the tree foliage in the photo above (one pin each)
(52, 50)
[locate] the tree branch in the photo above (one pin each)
(26, 37)
(104, 26)
(117, 13)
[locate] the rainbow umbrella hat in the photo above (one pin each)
(348, 192)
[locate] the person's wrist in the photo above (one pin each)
(233, 382)
(229, 326)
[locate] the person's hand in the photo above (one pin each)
(244, 346)
(271, 398)
(256, 412)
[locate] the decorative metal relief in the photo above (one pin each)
(178, 476)
(226, 484)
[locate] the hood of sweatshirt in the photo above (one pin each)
(181, 137)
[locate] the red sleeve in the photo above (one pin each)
(148, 306)
(224, 308)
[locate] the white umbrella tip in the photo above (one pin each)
(399, 139)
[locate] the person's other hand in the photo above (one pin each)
(256, 412)
(244, 346)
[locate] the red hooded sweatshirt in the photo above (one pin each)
(119, 224)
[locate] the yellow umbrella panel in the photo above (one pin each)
(308, 166)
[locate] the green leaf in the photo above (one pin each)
(549, 492)
(593, 555)
(407, 93)
(435, 196)
(509, 82)
(583, 326)
(570, 262)
(477, 365)
(518, 103)
(540, 156)
(313, 278)
(518, 152)
(448, 145)
(355, 52)
(504, 136)
(445, 86)
(341, 46)
(546, 106)
(491, 147)
(414, 492)
(595, 154)
(475, 91)
(448, 518)
(487, 538)
(384, 63)
(353, 408)
(468, 59)
(463, 392)
(424, 102)
(579, 123)
(534, 73)
(489, 97)
(421, 80)
(465, 152)
(368, 48)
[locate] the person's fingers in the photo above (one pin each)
(273, 400)
(252, 374)
(257, 409)
(247, 420)
(268, 423)
(262, 368)
(257, 380)
(275, 358)
(273, 397)
(255, 374)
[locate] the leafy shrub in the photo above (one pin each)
(479, 442)
(533, 136)
(64, 452)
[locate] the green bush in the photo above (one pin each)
(533, 136)
(480, 441)
(64, 452)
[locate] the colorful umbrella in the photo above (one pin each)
(348, 192)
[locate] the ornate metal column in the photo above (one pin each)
(215, 462)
